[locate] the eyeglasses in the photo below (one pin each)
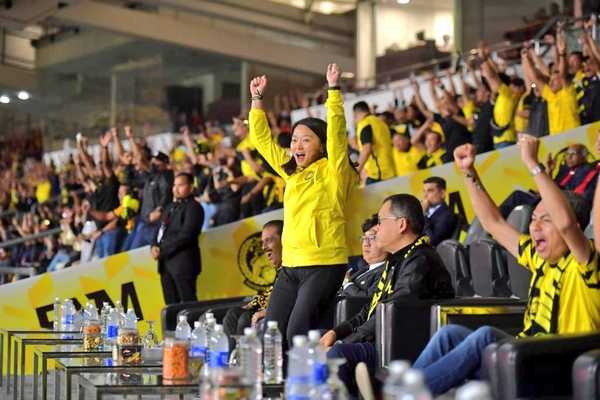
(367, 239)
(380, 219)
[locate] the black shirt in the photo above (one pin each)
(106, 196)
(482, 132)
(590, 101)
(455, 134)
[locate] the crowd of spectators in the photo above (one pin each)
(115, 203)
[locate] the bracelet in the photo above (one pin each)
(256, 97)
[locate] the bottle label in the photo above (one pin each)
(112, 331)
(298, 380)
(297, 397)
(320, 373)
(68, 319)
(219, 359)
(198, 352)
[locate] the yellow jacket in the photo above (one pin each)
(380, 164)
(316, 197)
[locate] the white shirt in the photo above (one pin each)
(371, 268)
(431, 210)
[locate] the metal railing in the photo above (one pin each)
(40, 235)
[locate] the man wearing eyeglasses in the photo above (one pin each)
(576, 175)
(413, 270)
(363, 282)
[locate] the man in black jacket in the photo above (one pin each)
(176, 244)
(440, 221)
(363, 281)
(413, 271)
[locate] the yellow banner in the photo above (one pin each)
(232, 260)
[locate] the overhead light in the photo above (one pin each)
(327, 7)
(4, 99)
(23, 95)
(403, 1)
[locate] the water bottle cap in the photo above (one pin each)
(413, 377)
(182, 318)
(209, 315)
(399, 367)
(299, 340)
(218, 328)
(249, 332)
(474, 390)
(272, 324)
(314, 335)
(196, 324)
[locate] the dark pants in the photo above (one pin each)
(354, 353)
(255, 205)
(236, 319)
(454, 354)
(178, 288)
(143, 234)
(301, 298)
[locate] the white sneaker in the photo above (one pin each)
(363, 381)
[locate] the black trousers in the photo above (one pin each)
(236, 319)
(301, 299)
(178, 288)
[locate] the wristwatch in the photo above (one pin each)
(537, 170)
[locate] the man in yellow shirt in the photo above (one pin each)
(565, 290)
(374, 143)
(559, 92)
(406, 156)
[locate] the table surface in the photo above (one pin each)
(102, 363)
(46, 335)
(132, 380)
(56, 350)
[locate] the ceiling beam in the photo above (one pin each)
(207, 37)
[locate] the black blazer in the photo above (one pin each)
(179, 250)
(440, 225)
(363, 282)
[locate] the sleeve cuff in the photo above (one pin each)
(343, 330)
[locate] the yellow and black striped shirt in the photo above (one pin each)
(563, 297)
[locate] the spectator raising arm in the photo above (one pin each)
(419, 100)
(556, 205)
(488, 213)
(561, 61)
(531, 72)
(596, 206)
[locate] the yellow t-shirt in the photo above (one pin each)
(406, 162)
(520, 122)
(380, 164)
(504, 110)
(246, 168)
(563, 297)
(42, 191)
(562, 109)
(127, 210)
(432, 160)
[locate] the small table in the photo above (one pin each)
(25, 340)
(132, 384)
(146, 383)
(8, 333)
(42, 354)
(77, 366)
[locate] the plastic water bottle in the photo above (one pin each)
(273, 354)
(104, 317)
(131, 319)
(394, 384)
(119, 306)
(67, 312)
(251, 353)
(317, 360)
(209, 329)
(297, 386)
(112, 326)
(414, 386)
(219, 349)
(183, 330)
(198, 345)
(56, 309)
(474, 390)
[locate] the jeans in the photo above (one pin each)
(58, 261)
(128, 241)
(454, 354)
(108, 243)
(354, 353)
(144, 234)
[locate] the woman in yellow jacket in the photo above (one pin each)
(318, 178)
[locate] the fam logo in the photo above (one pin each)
(254, 265)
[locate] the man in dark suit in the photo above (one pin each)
(363, 281)
(176, 244)
(440, 221)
